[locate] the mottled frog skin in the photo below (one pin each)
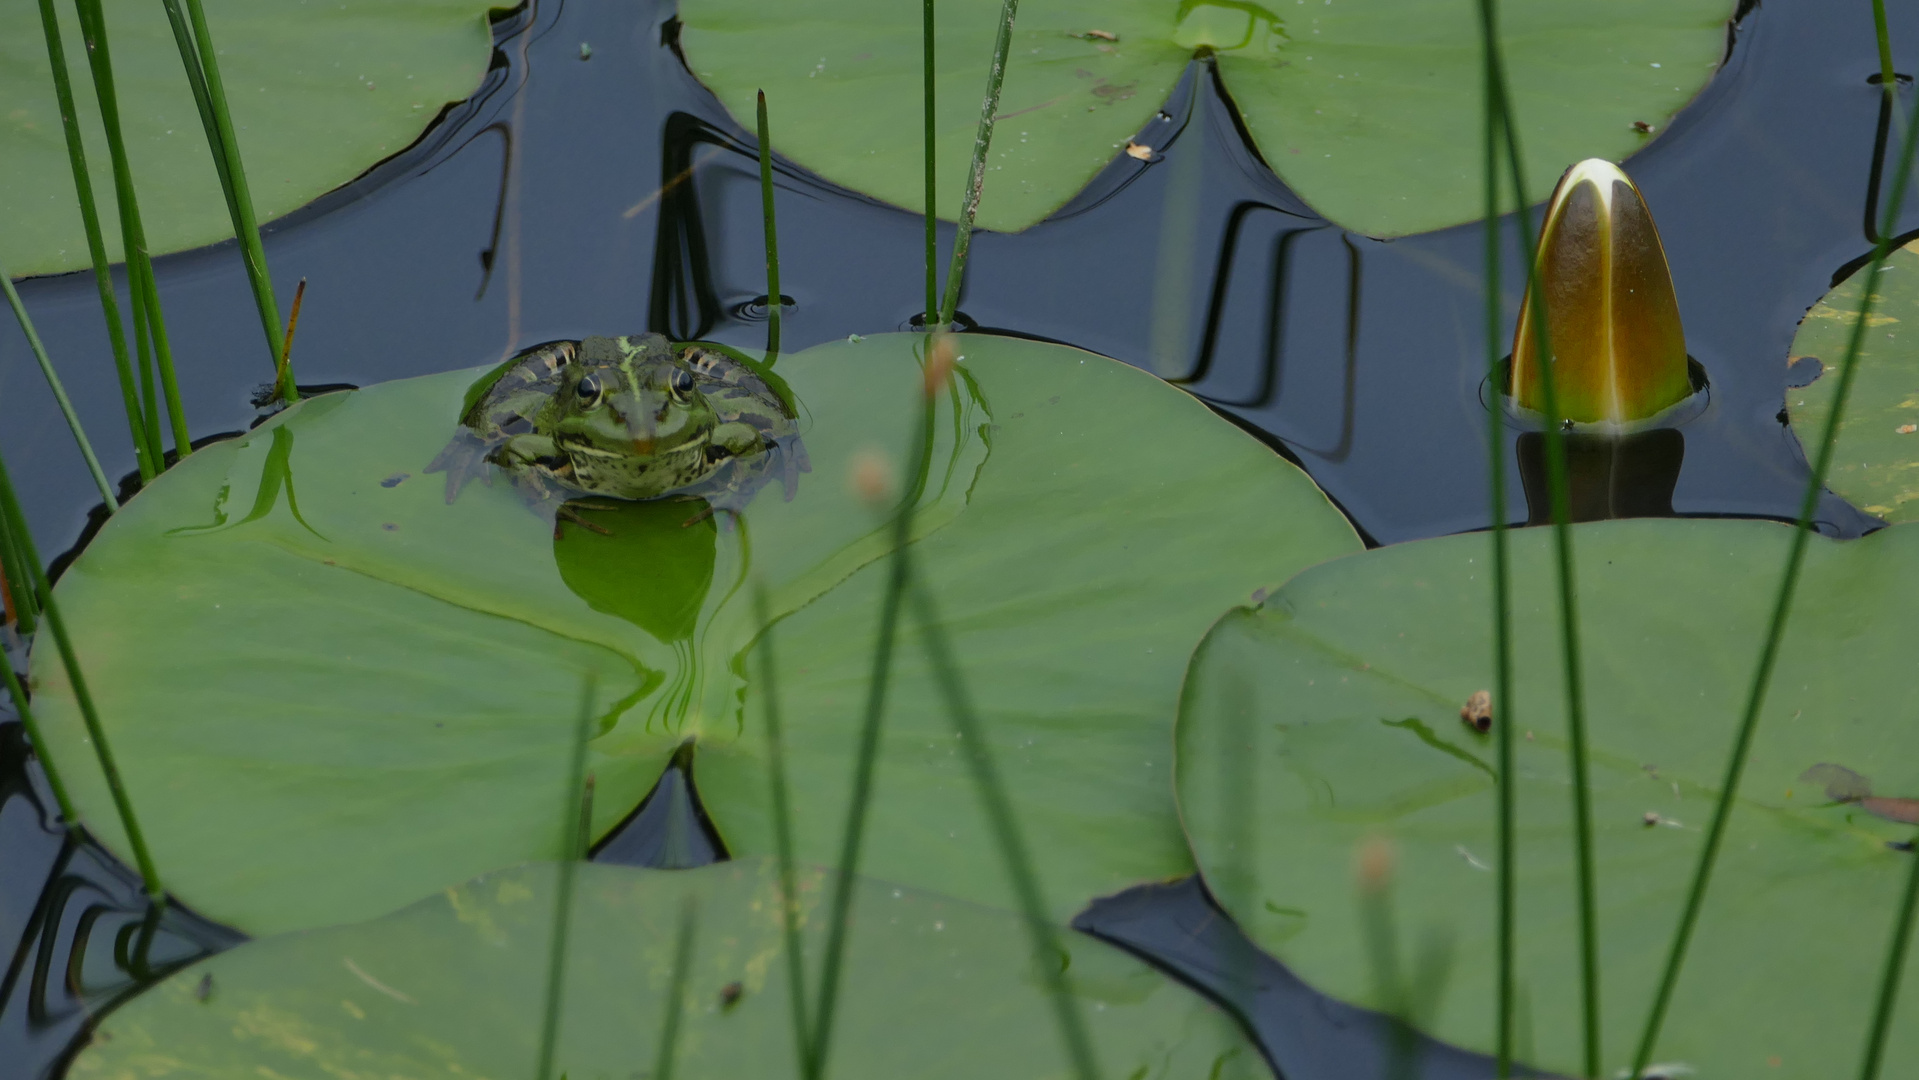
(627, 418)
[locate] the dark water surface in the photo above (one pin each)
(612, 195)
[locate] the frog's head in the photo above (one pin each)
(630, 396)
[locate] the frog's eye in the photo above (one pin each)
(589, 391)
(680, 383)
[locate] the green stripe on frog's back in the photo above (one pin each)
(551, 357)
(714, 356)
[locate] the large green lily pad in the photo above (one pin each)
(452, 987)
(1332, 715)
(332, 692)
(318, 92)
(1371, 111)
(1876, 462)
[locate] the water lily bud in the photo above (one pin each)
(939, 364)
(871, 477)
(1619, 352)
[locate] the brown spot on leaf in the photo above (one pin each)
(1477, 713)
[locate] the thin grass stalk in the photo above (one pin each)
(149, 326)
(96, 244)
(197, 82)
(575, 818)
(293, 324)
(1781, 611)
(783, 831)
(773, 299)
(1894, 975)
(15, 583)
(932, 187)
(854, 833)
(991, 789)
(20, 705)
(233, 178)
(59, 391)
(584, 837)
(1563, 558)
(1502, 604)
(1887, 77)
(976, 182)
(23, 544)
(668, 1055)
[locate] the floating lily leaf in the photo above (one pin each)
(1370, 111)
(451, 987)
(319, 93)
(1332, 715)
(331, 691)
(1876, 463)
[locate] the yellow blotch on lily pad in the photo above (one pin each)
(1618, 350)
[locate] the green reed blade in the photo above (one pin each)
(23, 543)
(667, 1058)
(14, 583)
(1507, 126)
(233, 181)
(867, 757)
(59, 391)
(96, 244)
(971, 734)
(1894, 974)
(1782, 608)
(575, 827)
(1888, 80)
(197, 82)
(20, 705)
(773, 299)
(976, 182)
(932, 192)
(149, 327)
(1504, 712)
(782, 831)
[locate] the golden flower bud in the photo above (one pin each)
(1619, 352)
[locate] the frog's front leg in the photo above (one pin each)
(519, 451)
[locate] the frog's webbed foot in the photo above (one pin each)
(463, 459)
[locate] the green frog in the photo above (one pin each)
(626, 418)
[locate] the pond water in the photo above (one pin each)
(576, 196)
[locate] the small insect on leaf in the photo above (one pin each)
(1642, 127)
(1477, 713)
(730, 996)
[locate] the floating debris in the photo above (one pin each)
(1135, 150)
(1477, 713)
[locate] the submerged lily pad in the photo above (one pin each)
(1876, 462)
(1332, 715)
(1370, 111)
(331, 691)
(318, 92)
(452, 987)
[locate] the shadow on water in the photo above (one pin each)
(573, 196)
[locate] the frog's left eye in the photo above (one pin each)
(680, 383)
(589, 391)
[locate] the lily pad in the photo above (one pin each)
(1332, 715)
(1370, 111)
(452, 986)
(1876, 462)
(318, 92)
(331, 691)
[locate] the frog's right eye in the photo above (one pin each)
(589, 391)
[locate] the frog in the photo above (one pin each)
(631, 418)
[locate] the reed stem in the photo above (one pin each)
(976, 182)
(667, 1058)
(931, 318)
(15, 583)
(774, 301)
(971, 735)
(1505, 714)
(59, 391)
(20, 705)
(1576, 742)
(1888, 79)
(1894, 975)
(96, 244)
(149, 324)
(575, 827)
(69, 658)
(233, 181)
(867, 757)
(783, 832)
(1781, 610)
(285, 366)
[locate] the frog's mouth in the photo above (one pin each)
(644, 445)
